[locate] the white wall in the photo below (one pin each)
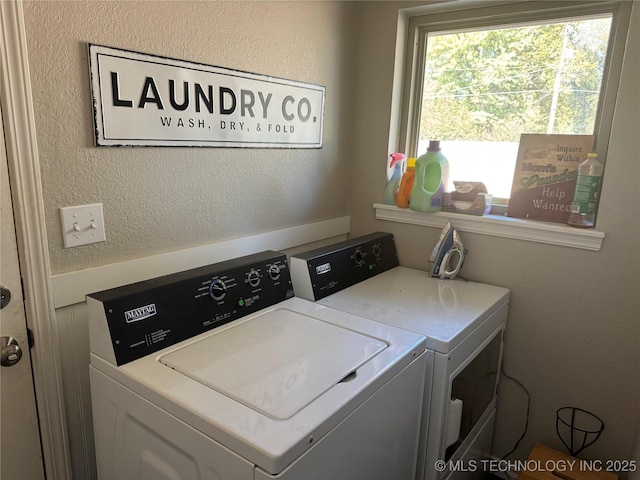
(573, 333)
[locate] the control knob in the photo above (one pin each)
(376, 250)
(217, 289)
(358, 257)
(253, 277)
(274, 272)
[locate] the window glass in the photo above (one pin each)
(483, 87)
(477, 76)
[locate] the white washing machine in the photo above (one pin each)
(219, 373)
(464, 324)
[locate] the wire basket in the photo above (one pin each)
(577, 428)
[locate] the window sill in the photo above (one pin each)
(498, 226)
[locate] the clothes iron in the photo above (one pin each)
(448, 254)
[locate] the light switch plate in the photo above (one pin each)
(82, 225)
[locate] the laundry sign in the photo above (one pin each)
(146, 100)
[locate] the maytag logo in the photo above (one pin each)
(324, 268)
(140, 313)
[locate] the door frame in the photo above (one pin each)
(28, 208)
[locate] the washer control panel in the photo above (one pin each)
(323, 271)
(145, 317)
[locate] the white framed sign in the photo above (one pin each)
(146, 100)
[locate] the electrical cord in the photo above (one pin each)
(526, 424)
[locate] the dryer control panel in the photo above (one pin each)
(144, 317)
(323, 271)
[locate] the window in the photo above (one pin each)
(478, 77)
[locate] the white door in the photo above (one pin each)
(20, 451)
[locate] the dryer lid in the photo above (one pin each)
(276, 363)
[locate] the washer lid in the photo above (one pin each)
(277, 363)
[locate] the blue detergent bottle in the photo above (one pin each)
(393, 183)
(432, 176)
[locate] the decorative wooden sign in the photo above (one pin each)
(545, 175)
(142, 100)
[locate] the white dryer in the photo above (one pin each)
(464, 324)
(219, 373)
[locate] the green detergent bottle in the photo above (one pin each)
(432, 176)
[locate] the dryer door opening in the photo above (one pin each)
(473, 390)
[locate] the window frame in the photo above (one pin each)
(405, 109)
(505, 14)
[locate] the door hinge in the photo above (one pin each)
(30, 338)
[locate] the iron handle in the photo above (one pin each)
(11, 352)
(444, 273)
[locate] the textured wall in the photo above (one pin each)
(573, 335)
(164, 199)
